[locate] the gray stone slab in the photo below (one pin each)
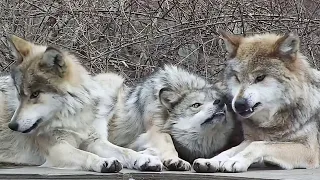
(125, 174)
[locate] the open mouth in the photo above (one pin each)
(214, 116)
(35, 125)
(248, 112)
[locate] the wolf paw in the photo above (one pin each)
(148, 163)
(210, 165)
(110, 165)
(206, 165)
(236, 165)
(176, 164)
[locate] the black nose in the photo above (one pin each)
(241, 105)
(13, 126)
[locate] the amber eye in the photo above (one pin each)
(35, 94)
(260, 78)
(196, 105)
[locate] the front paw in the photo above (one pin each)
(110, 165)
(209, 165)
(206, 165)
(236, 164)
(176, 164)
(147, 163)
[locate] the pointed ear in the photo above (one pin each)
(231, 42)
(18, 47)
(168, 97)
(287, 45)
(53, 61)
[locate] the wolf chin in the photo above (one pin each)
(176, 115)
(58, 114)
(276, 93)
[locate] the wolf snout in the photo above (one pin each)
(22, 127)
(13, 126)
(241, 105)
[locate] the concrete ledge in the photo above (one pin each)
(125, 174)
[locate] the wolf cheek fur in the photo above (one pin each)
(63, 112)
(277, 94)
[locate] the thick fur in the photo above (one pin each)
(277, 94)
(59, 114)
(177, 114)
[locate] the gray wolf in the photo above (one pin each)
(58, 113)
(276, 93)
(175, 114)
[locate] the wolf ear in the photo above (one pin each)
(168, 97)
(231, 41)
(287, 45)
(53, 61)
(18, 47)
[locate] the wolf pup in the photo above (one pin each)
(60, 114)
(177, 114)
(277, 94)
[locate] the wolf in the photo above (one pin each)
(276, 93)
(176, 115)
(54, 114)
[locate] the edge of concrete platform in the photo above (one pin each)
(29, 172)
(125, 174)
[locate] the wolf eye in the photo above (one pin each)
(217, 101)
(260, 78)
(35, 94)
(196, 105)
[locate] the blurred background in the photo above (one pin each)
(134, 37)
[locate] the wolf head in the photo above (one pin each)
(262, 72)
(37, 76)
(197, 109)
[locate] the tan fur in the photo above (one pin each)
(73, 71)
(281, 128)
(22, 46)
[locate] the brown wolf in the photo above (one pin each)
(277, 95)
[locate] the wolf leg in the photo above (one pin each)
(63, 155)
(214, 164)
(163, 144)
(287, 155)
(128, 157)
(169, 155)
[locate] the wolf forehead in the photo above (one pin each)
(266, 53)
(257, 66)
(30, 80)
(201, 95)
(31, 75)
(259, 45)
(210, 93)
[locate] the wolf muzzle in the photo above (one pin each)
(15, 126)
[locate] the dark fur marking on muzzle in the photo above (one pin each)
(35, 125)
(214, 115)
